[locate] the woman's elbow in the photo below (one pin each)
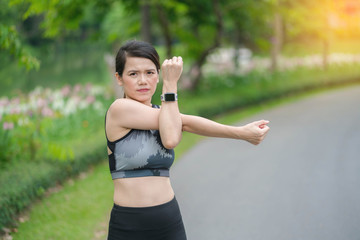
(171, 143)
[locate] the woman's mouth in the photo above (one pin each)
(143, 90)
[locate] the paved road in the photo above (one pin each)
(301, 183)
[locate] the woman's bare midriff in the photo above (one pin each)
(142, 191)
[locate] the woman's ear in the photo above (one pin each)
(118, 79)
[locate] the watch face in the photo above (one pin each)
(169, 96)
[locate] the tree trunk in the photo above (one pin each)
(325, 53)
(195, 72)
(110, 63)
(145, 21)
(326, 39)
(237, 44)
(276, 41)
(164, 23)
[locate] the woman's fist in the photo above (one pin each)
(256, 131)
(172, 69)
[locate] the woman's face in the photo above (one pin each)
(139, 79)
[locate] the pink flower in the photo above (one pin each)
(90, 99)
(88, 87)
(76, 99)
(4, 101)
(15, 101)
(77, 88)
(15, 110)
(47, 112)
(41, 103)
(8, 125)
(65, 91)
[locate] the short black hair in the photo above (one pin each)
(136, 48)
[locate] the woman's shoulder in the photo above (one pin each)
(116, 108)
(121, 104)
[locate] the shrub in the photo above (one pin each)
(26, 181)
(219, 94)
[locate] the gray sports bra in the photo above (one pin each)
(139, 153)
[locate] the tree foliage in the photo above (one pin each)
(198, 26)
(184, 27)
(307, 20)
(10, 42)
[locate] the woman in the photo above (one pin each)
(141, 138)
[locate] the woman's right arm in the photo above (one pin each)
(253, 132)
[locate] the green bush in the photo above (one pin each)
(219, 94)
(26, 181)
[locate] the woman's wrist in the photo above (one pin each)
(241, 133)
(169, 87)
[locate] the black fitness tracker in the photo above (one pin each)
(169, 97)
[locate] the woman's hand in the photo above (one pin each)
(172, 69)
(256, 131)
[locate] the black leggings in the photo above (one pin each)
(162, 222)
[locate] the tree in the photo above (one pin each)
(208, 34)
(247, 24)
(10, 41)
(302, 12)
(194, 28)
(277, 38)
(145, 21)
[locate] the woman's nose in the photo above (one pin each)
(142, 79)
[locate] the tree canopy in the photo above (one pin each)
(183, 27)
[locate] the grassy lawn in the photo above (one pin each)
(72, 211)
(80, 208)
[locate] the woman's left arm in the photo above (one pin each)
(253, 132)
(170, 124)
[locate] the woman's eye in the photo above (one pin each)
(132, 74)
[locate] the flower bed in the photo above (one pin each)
(42, 141)
(39, 124)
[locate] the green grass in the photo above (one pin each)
(73, 212)
(80, 209)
